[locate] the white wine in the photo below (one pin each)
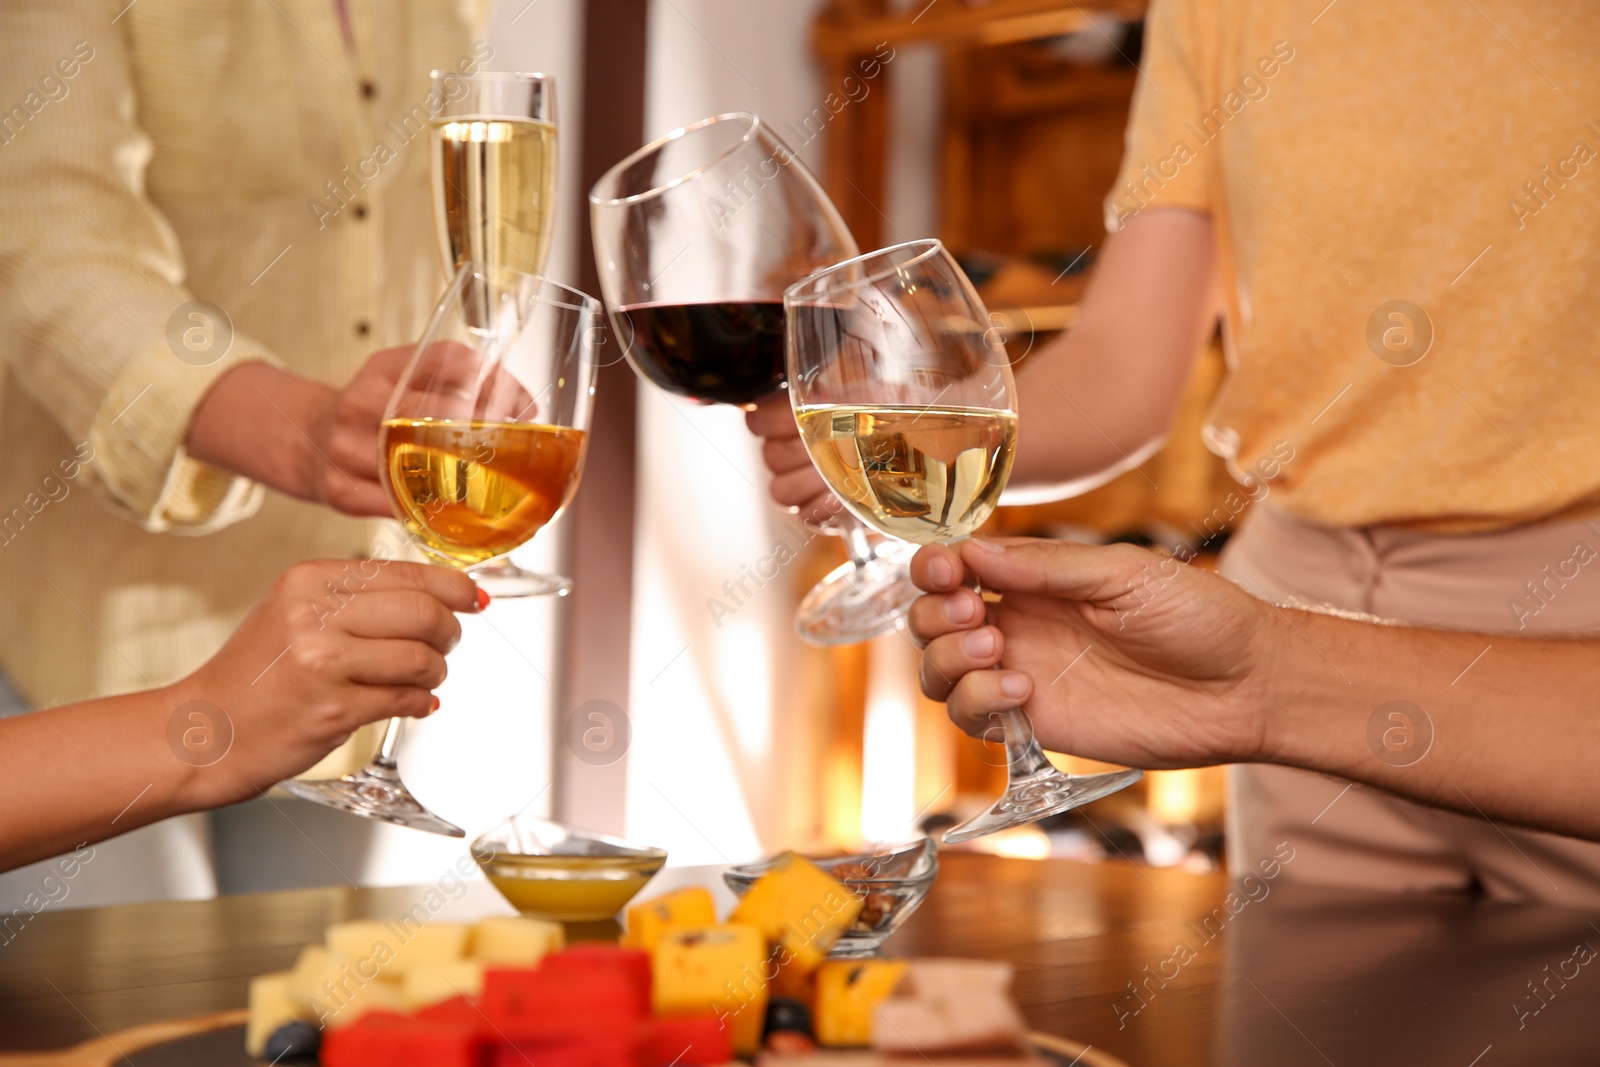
(494, 191)
(924, 475)
(471, 491)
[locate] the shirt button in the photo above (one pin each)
(359, 211)
(363, 328)
(368, 90)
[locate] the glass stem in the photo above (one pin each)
(389, 751)
(1024, 757)
(858, 546)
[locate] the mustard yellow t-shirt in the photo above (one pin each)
(1407, 207)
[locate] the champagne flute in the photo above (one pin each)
(483, 445)
(492, 149)
(906, 403)
(695, 236)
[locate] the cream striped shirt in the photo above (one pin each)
(153, 154)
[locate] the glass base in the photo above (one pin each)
(502, 579)
(856, 603)
(374, 792)
(1040, 795)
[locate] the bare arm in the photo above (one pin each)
(1181, 668)
(1101, 398)
(304, 669)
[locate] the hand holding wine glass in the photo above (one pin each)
(906, 405)
(483, 444)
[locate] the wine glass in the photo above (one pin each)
(492, 150)
(695, 236)
(905, 401)
(483, 445)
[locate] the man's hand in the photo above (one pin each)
(1116, 653)
(332, 646)
(304, 439)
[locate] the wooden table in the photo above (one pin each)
(1153, 966)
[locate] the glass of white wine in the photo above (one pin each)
(493, 159)
(483, 444)
(906, 404)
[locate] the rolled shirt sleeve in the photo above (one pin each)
(1166, 161)
(96, 324)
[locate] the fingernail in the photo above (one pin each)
(483, 598)
(979, 643)
(941, 572)
(987, 546)
(435, 704)
(958, 609)
(1014, 685)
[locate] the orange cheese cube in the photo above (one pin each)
(800, 907)
(685, 907)
(713, 969)
(848, 995)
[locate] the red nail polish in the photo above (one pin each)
(435, 704)
(483, 599)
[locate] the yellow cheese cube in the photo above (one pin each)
(685, 907)
(314, 976)
(695, 970)
(514, 941)
(394, 948)
(801, 907)
(271, 1006)
(848, 994)
(433, 982)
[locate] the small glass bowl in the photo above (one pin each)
(891, 881)
(552, 871)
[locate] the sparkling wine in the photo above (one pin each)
(922, 474)
(729, 352)
(471, 491)
(493, 191)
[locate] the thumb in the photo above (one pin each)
(1057, 568)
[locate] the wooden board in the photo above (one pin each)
(218, 1041)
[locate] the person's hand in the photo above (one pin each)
(795, 481)
(346, 461)
(1116, 653)
(332, 646)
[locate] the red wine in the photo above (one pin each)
(729, 352)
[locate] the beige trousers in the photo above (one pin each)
(1360, 837)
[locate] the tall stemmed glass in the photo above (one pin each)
(483, 445)
(907, 406)
(696, 235)
(493, 158)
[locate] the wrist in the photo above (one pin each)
(262, 423)
(1303, 695)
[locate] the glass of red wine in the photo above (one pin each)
(696, 236)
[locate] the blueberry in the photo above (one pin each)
(790, 1015)
(294, 1043)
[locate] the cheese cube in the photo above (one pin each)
(958, 1007)
(435, 982)
(513, 941)
(394, 948)
(848, 995)
(271, 1006)
(685, 907)
(316, 973)
(801, 907)
(720, 969)
(359, 998)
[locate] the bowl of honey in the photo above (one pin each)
(552, 871)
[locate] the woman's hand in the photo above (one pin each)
(332, 646)
(795, 481)
(1116, 653)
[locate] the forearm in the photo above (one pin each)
(1103, 396)
(260, 422)
(85, 772)
(1504, 733)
